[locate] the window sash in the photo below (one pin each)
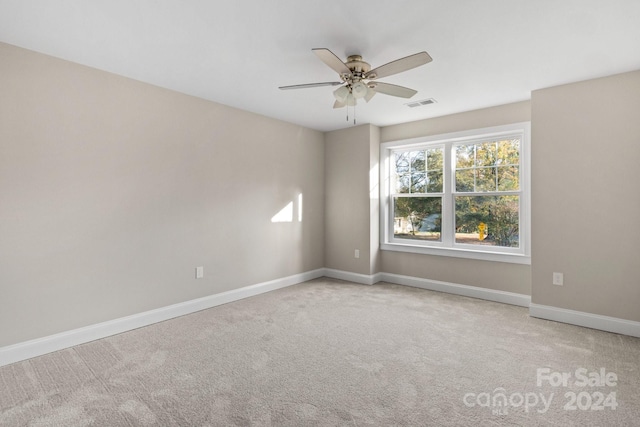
(448, 233)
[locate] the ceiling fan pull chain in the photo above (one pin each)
(354, 115)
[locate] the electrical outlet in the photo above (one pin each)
(199, 272)
(558, 279)
(357, 253)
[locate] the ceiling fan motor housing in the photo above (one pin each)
(357, 66)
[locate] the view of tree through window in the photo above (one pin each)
(463, 194)
(418, 198)
(484, 194)
(487, 188)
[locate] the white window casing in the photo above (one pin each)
(447, 245)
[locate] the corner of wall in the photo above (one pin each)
(374, 199)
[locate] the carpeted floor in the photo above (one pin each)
(327, 353)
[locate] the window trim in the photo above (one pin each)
(521, 255)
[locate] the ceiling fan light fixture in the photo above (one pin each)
(359, 90)
(351, 100)
(341, 94)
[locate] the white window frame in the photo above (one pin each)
(447, 245)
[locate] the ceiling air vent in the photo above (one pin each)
(415, 104)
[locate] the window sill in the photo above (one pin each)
(458, 253)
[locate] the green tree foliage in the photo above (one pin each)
(499, 213)
(491, 166)
(486, 167)
(417, 210)
(419, 172)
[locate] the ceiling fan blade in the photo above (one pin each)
(393, 90)
(399, 65)
(339, 104)
(370, 94)
(307, 85)
(331, 60)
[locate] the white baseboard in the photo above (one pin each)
(432, 285)
(454, 288)
(37, 347)
(364, 279)
(578, 318)
(588, 320)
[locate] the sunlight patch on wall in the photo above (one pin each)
(286, 214)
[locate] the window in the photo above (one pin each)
(464, 194)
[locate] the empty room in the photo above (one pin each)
(286, 213)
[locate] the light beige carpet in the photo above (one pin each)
(327, 353)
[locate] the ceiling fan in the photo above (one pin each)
(358, 80)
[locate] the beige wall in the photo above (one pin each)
(486, 274)
(112, 192)
(486, 117)
(351, 200)
(585, 196)
(374, 200)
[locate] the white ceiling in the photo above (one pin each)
(485, 52)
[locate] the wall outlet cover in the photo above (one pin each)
(558, 279)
